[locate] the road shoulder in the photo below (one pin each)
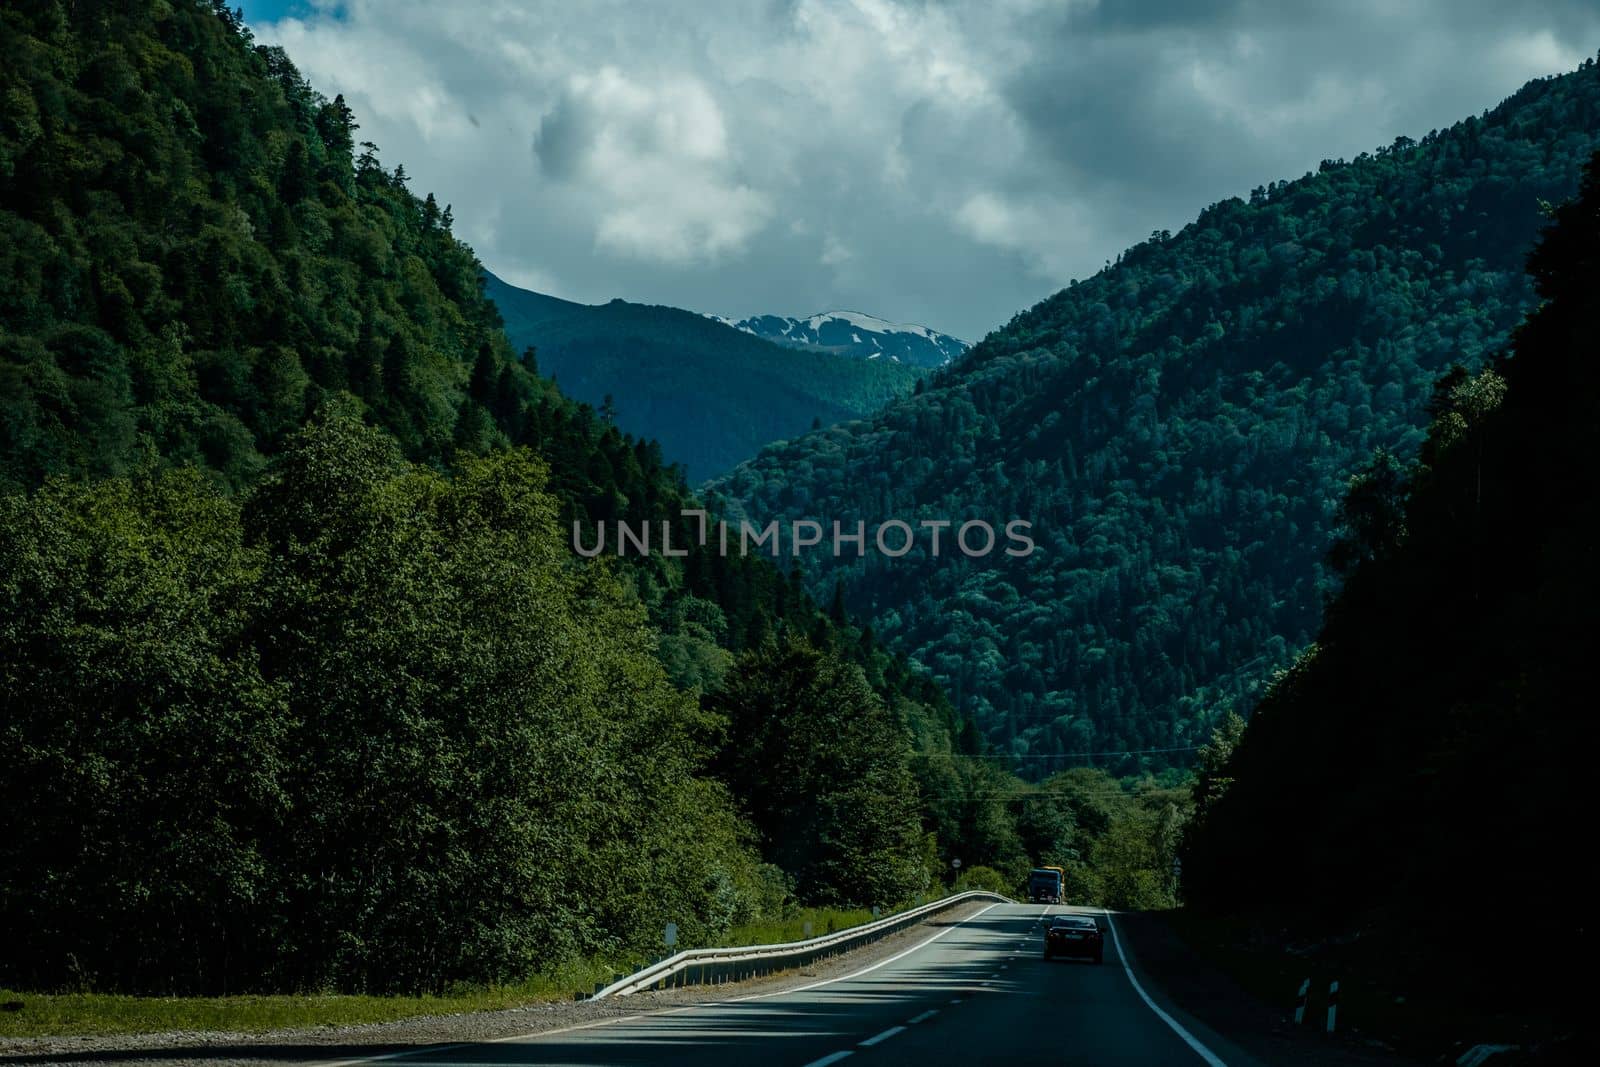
(394, 1039)
(1245, 1025)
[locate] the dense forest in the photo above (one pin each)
(1179, 429)
(301, 686)
(712, 395)
(327, 735)
(1423, 760)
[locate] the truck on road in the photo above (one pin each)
(1046, 885)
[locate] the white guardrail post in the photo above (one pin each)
(705, 966)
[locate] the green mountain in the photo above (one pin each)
(301, 685)
(711, 394)
(1178, 429)
(1427, 759)
(196, 256)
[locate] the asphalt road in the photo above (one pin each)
(978, 991)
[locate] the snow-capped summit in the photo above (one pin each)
(854, 334)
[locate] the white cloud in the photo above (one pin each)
(1538, 51)
(944, 162)
(1047, 233)
(835, 253)
(654, 162)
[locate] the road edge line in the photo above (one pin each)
(919, 946)
(423, 1049)
(1178, 1028)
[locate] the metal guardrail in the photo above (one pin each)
(713, 966)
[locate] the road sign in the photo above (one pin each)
(956, 864)
(670, 934)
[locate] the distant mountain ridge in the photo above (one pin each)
(851, 333)
(1179, 428)
(711, 394)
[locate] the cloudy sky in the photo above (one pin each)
(936, 161)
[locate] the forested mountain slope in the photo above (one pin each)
(196, 254)
(1179, 428)
(712, 395)
(1428, 757)
(300, 683)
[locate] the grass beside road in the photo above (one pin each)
(794, 928)
(63, 1014)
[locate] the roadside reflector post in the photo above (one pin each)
(1300, 1002)
(1333, 1003)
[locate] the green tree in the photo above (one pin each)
(1211, 776)
(1372, 514)
(146, 751)
(822, 768)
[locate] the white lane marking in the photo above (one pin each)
(832, 1057)
(1189, 1039)
(865, 970)
(402, 1054)
(957, 1000)
(924, 1017)
(886, 1035)
(590, 1026)
(537, 1034)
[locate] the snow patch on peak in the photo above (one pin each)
(870, 323)
(852, 333)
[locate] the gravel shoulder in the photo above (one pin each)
(332, 1044)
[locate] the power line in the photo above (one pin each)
(1059, 755)
(1056, 796)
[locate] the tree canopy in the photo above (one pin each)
(1180, 429)
(1425, 759)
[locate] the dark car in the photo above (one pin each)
(1074, 935)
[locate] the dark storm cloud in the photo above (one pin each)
(942, 162)
(564, 138)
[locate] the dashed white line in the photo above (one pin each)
(924, 1017)
(955, 1000)
(537, 1034)
(886, 1035)
(834, 1057)
(403, 1054)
